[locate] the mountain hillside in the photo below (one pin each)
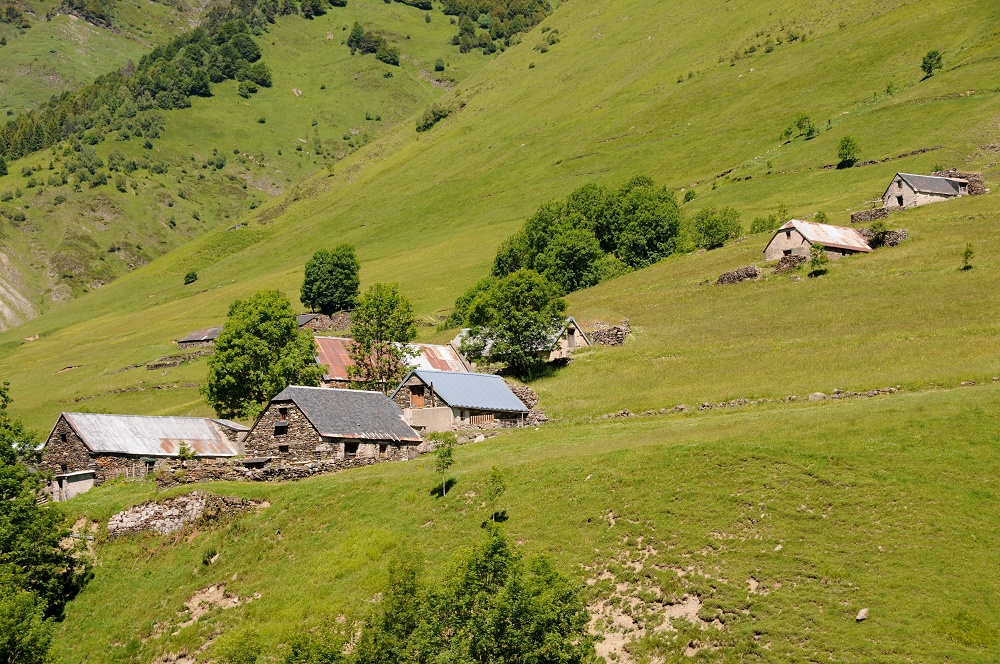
(428, 209)
(793, 494)
(206, 166)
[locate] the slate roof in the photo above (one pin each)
(470, 390)
(205, 334)
(332, 352)
(145, 435)
(339, 413)
(302, 319)
(929, 184)
(837, 237)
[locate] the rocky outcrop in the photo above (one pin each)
(748, 273)
(174, 514)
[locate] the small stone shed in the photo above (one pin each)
(333, 353)
(304, 424)
(907, 190)
(204, 338)
(796, 237)
(446, 400)
(86, 449)
(567, 340)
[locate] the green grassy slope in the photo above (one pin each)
(428, 209)
(56, 55)
(887, 503)
(324, 103)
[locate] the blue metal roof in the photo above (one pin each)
(471, 390)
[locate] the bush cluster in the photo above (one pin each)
(434, 114)
(490, 24)
(365, 41)
(596, 233)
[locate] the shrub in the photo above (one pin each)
(432, 116)
(387, 54)
(817, 260)
(439, 65)
(190, 277)
(246, 89)
(185, 452)
(258, 73)
(690, 195)
(967, 256)
(764, 224)
(821, 218)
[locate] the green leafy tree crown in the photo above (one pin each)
(331, 280)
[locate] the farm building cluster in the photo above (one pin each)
(329, 427)
(906, 190)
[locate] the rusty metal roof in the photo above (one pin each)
(339, 413)
(829, 236)
(205, 334)
(145, 435)
(333, 352)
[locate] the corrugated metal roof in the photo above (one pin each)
(350, 413)
(829, 236)
(471, 390)
(145, 435)
(929, 184)
(332, 352)
(235, 426)
(205, 334)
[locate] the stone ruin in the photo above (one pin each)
(976, 185)
(174, 514)
(748, 273)
(603, 334)
(789, 263)
(891, 238)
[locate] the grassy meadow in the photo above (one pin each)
(820, 509)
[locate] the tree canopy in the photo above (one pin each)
(259, 352)
(711, 228)
(381, 325)
(514, 321)
(331, 280)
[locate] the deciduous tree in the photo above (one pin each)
(259, 352)
(381, 325)
(331, 280)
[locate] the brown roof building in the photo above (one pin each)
(796, 237)
(333, 353)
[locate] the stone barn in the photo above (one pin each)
(303, 424)
(332, 353)
(907, 190)
(796, 237)
(86, 449)
(446, 400)
(204, 338)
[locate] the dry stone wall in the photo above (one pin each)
(748, 273)
(610, 335)
(789, 263)
(172, 515)
(867, 216)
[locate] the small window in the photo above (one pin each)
(62, 437)
(283, 449)
(282, 414)
(280, 427)
(350, 450)
(787, 252)
(63, 467)
(788, 235)
(899, 184)
(383, 449)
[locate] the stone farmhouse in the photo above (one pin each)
(446, 400)
(305, 424)
(796, 237)
(86, 449)
(907, 190)
(332, 352)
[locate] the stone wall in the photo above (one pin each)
(64, 452)
(789, 263)
(338, 322)
(402, 397)
(866, 216)
(298, 443)
(176, 513)
(891, 238)
(187, 345)
(171, 472)
(748, 273)
(610, 335)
